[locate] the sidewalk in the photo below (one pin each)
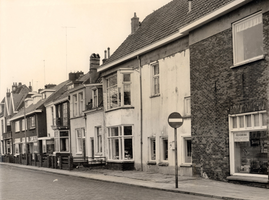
(187, 185)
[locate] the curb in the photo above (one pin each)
(62, 172)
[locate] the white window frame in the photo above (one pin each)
(75, 105)
(23, 125)
(119, 89)
(99, 147)
(120, 137)
(52, 116)
(256, 18)
(17, 126)
(81, 103)
(95, 97)
(233, 130)
(154, 77)
(79, 140)
(185, 150)
(162, 150)
(187, 105)
(32, 122)
(57, 141)
(152, 148)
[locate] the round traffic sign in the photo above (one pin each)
(175, 120)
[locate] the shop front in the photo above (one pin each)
(249, 145)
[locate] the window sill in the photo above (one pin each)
(155, 95)
(248, 178)
(163, 164)
(249, 61)
(119, 108)
(186, 165)
(120, 161)
(151, 163)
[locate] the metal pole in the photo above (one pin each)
(176, 164)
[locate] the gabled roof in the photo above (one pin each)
(19, 95)
(164, 22)
(38, 106)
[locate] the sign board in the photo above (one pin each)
(241, 137)
(175, 120)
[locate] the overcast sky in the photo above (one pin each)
(34, 43)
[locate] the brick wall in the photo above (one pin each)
(215, 90)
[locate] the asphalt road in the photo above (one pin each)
(25, 184)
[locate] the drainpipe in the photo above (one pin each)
(141, 112)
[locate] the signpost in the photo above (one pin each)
(175, 120)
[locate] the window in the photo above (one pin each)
(79, 140)
(126, 89)
(164, 149)
(120, 141)
(99, 143)
(23, 124)
(52, 115)
(155, 79)
(75, 105)
(119, 89)
(17, 126)
(249, 143)
(32, 122)
(112, 92)
(187, 150)
(65, 115)
(2, 126)
(61, 140)
(95, 98)
(81, 103)
(187, 105)
(152, 149)
(248, 39)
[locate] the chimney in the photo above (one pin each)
(49, 86)
(8, 93)
(104, 60)
(108, 52)
(94, 64)
(14, 87)
(75, 75)
(190, 5)
(30, 87)
(134, 24)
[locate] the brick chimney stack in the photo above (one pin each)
(94, 64)
(134, 24)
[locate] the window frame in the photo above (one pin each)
(121, 142)
(153, 78)
(185, 150)
(152, 148)
(119, 88)
(57, 141)
(80, 138)
(187, 105)
(99, 147)
(162, 150)
(17, 126)
(235, 56)
(233, 130)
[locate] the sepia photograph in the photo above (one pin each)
(137, 99)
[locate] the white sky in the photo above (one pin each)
(33, 37)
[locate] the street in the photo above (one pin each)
(17, 183)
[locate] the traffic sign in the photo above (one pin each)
(175, 120)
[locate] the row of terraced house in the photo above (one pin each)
(207, 60)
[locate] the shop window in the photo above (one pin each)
(155, 79)
(250, 152)
(164, 149)
(248, 39)
(120, 140)
(152, 149)
(249, 144)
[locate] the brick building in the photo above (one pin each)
(229, 89)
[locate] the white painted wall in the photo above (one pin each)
(174, 86)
